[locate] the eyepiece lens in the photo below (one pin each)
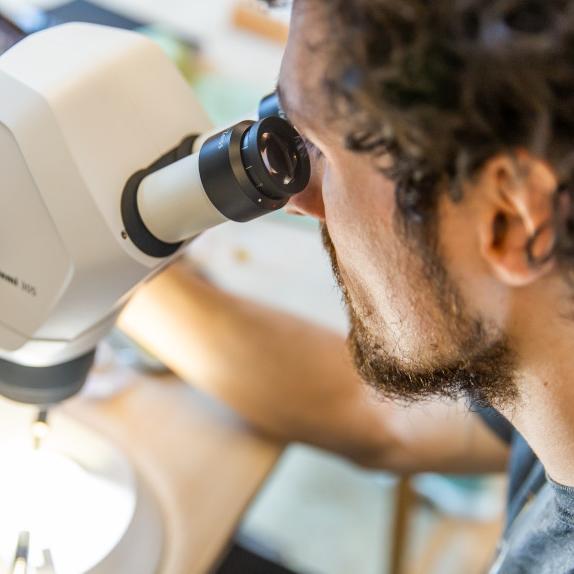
(280, 156)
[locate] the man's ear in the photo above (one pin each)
(516, 227)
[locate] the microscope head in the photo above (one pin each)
(97, 132)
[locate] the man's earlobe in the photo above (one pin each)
(517, 230)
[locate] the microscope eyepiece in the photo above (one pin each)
(275, 158)
(254, 168)
(239, 174)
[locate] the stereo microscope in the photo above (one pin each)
(109, 168)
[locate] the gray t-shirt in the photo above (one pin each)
(539, 533)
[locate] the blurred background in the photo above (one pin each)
(316, 514)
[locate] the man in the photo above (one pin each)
(441, 138)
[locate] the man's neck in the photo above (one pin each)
(545, 412)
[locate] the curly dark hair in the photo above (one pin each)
(444, 85)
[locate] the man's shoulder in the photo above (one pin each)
(541, 537)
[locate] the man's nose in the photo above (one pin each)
(308, 202)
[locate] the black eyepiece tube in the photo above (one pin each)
(253, 169)
(270, 106)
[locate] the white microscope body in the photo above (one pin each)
(82, 109)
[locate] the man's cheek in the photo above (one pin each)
(343, 222)
(342, 202)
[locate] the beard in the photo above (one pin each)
(480, 365)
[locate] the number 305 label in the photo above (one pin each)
(29, 289)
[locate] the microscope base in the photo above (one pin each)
(85, 508)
